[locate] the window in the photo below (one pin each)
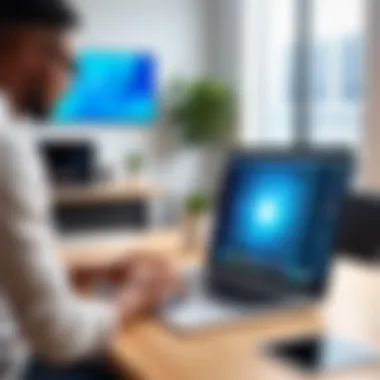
(279, 42)
(337, 52)
(333, 88)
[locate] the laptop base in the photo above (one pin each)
(200, 308)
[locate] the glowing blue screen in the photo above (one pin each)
(280, 215)
(110, 87)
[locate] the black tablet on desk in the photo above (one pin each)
(319, 354)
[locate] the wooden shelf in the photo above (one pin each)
(106, 192)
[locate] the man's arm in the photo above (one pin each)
(58, 326)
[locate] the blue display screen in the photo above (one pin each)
(111, 87)
(280, 215)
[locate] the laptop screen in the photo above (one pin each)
(279, 215)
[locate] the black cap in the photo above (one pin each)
(54, 13)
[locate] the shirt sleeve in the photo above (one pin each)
(58, 326)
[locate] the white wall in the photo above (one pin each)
(173, 29)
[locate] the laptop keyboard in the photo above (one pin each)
(200, 308)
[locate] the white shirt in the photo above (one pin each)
(39, 313)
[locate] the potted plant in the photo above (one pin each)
(201, 114)
(203, 111)
(197, 206)
(134, 164)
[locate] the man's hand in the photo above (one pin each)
(113, 272)
(141, 282)
(149, 279)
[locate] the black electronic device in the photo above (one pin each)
(273, 239)
(276, 221)
(69, 163)
(320, 354)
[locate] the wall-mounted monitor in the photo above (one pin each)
(110, 88)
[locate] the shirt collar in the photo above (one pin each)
(7, 117)
(5, 108)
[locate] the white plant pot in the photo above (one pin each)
(194, 229)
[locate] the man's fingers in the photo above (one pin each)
(150, 279)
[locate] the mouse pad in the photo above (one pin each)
(321, 354)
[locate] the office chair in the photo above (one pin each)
(359, 232)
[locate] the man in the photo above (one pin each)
(36, 305)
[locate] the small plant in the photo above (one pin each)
(203, 111)
(197, 203)
(134, 163)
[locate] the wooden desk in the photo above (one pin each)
(152, 352)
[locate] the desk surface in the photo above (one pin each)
(153, 352)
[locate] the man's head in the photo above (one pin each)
(35, 56)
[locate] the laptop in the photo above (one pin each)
(272, 242)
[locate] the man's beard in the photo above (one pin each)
(35, 107)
